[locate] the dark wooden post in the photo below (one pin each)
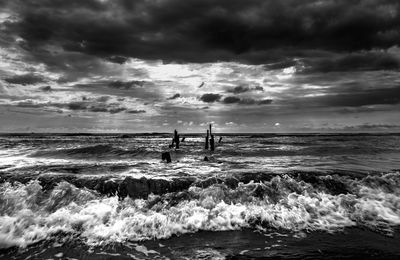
(210, 130)
(183, 139)
(206, 144)
(176, 137)
(212, 143)
(220, 140)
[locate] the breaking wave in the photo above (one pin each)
(29, 214)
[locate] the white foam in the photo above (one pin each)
(28, 215)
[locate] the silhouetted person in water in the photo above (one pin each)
(166, 156)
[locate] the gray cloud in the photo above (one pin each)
(231, 100)
(239, 89)
(89, 105)
(29, 104)
(25, 79)
(177, 95)
(361, 61)
(94, 106)
(265, 102)
(46, 88)
(210, 97)
(243, 89)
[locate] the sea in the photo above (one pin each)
(256, 196)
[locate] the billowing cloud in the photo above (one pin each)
(197, 30)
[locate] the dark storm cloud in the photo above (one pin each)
(210, 97)
(203, 30)
(362, 61)
(46, 89)
(245, 101)
(177, 95)
(25, 79)
(231, 100)
(77, 105)
(117, 59)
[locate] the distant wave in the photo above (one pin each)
(29, 214)
(92, 151)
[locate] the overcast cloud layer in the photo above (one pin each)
(247, 66)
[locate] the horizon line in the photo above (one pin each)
(194, 133)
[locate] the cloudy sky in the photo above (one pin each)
(157, 65)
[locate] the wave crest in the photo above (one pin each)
(29, 214)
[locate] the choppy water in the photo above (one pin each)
(286, 196)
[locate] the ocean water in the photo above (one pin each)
(260, 196)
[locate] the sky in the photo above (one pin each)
(158, 65)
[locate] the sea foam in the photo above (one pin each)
(29, 215)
